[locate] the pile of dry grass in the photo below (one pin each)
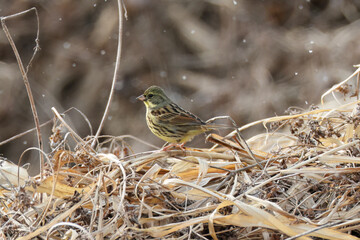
(308, 187)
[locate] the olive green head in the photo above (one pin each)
(154, 97)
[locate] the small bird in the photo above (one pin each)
(169, 121)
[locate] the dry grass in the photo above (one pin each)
(309, 186)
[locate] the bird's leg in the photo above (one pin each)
(181, 146)
(168, 147)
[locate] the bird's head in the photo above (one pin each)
(154, 97)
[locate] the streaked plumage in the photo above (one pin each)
(169, 121)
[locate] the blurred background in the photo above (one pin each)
(247, 59)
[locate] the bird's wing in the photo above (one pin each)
(186, 119)
(173, 114)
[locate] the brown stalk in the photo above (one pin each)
(24, 74)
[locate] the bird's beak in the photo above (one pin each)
(141, 98)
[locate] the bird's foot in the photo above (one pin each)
(181, 146)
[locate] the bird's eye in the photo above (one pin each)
(150, 96)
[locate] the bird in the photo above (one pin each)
(169, 121)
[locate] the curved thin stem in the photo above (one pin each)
(116, 74)
(25, 78)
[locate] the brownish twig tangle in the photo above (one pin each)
(309, 186)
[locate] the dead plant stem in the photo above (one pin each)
(116, 74)
(25, 77)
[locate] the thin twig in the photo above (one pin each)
(76, 136)
(23, 133)
(116, 74)
(313, 230)
(45, 123)
(25, 78)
